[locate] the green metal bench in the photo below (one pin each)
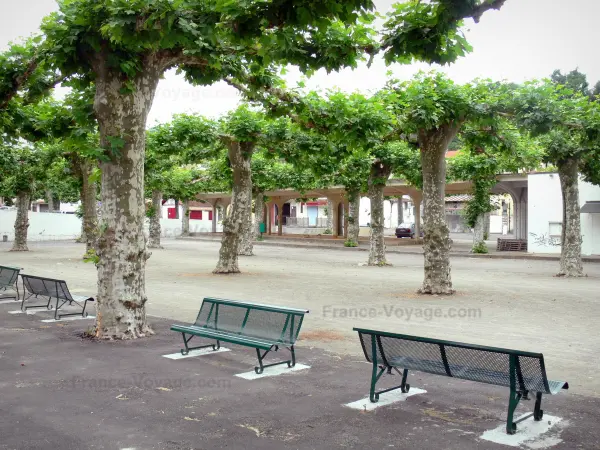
(262, 327)
(522, 372)
(53, 289)
(9, 276)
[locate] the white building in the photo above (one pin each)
(545, 215)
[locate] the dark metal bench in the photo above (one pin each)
(523, 372)
(53, 289)
(262, 327)
(9, 276)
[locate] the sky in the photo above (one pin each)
(526, 39)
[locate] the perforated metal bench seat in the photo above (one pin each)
(36, 287)
(523, 372)
(469, 373)
(9, 276)
(234, 338)
(255, 325)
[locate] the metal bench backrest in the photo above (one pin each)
(46, 287)
(8, 275)
(272, 323)
(490, 365)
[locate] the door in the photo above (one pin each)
(313, 212)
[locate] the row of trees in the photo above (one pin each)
(118, 51)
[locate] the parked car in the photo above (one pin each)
(406, 230)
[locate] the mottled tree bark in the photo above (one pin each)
(259, 212)
(353, 218)
(240, 154)
(21, 222)
(377, 180)
(436, 241)
(246, 243)
(329, 229)
(185, 219)
(89, 221)
(154, 225)
(50, 200)
(570, 255)
(121, 301)
(478, 233)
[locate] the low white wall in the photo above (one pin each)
(53, 226)
(42, 226)
(545, 214)
(590, 223)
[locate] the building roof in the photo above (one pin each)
(592, 207)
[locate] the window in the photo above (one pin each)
(555, 229)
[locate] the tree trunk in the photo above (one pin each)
(89, 220)
(400, 210)
(121, 301)
(353, 218)
(259, 213)
(329, 229)
(478, 234)
(185, 220)
(570, 255)
(377, 180)
(436, 240)
(50, 200)
(154, 226)
(176, 209)
(235, 222)
(246, 243)
(21, 222)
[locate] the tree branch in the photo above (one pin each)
(478, 11)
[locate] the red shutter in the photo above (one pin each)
(210, 216)
(195, 215)
(171, 213)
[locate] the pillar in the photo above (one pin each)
(417, 197)
(269, 212)
(214, 216)
(335, 203)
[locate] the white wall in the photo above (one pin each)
(590, 223)
(545, 206)
(50, 227)
(42, 226)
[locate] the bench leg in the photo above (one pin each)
(404, 386)
(538, 412)
(513, 401)
(25, 308)
(375, 376)
(261, 367)
(187, 349)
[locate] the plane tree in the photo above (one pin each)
(484, 154)
(567, 126)
(22, 174)
(432, 111)
(270, 172)
(125, 47)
